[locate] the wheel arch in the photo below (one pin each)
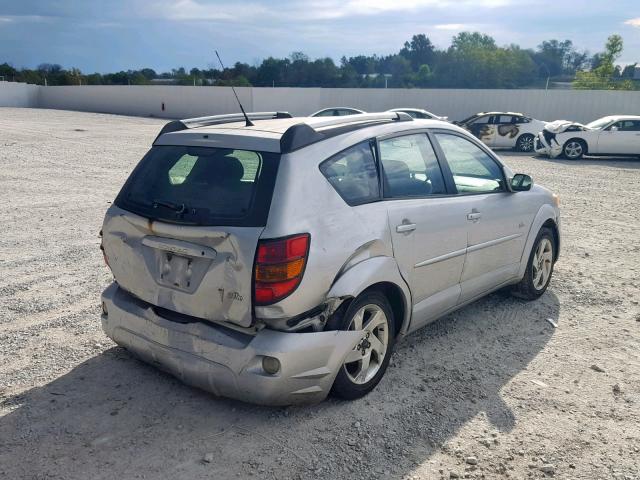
(377, 273)
(553, 226)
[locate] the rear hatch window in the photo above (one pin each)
(202, 186)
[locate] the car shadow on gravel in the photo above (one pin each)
(115, 417)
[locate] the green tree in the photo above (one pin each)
(602, 76)
(419, 51)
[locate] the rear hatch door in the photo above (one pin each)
(183, 232)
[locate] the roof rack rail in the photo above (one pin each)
(302, 134)
(177, 125)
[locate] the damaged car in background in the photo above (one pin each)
(612, 135)
(504, 129)
(275, 260)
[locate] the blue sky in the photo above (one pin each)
(115, 35)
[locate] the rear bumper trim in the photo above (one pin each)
(225, 362)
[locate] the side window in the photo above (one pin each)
(504, 119)
(474, 171)
(483, 119)
(410, 167)
(353, 174)
(627, 126)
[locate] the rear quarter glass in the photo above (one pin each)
(202, 186)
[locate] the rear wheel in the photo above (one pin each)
(525, 143)
(365, 365)
(539, 267)
(574, 149)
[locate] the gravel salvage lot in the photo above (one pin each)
(492, 391)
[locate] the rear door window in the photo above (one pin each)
(202, 186)
(410, 167)
(353, 174)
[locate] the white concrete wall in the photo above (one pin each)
(179, 102)
(184, 102)
(14, 94)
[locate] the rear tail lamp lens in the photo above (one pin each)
(279, 267)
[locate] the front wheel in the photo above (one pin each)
(525, 143)
(574, 149)
(365, 365)
(539, 267)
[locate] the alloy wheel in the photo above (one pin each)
(542, 263)
(526, 143)
(365, 360)
(573, 149)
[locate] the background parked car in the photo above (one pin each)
(336, 112)
(613, 135)
(504, 129)
(419, 113)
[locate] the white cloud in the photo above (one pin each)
(23, 18)
(201, 10)
(452, 26)
(634, 22)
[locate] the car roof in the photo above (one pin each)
(353, 109)
(500, 113)
(616, 118)
(407, 109)
(266, 134)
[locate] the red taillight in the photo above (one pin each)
(279, 267)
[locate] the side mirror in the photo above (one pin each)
(614, 129)
(521, 182)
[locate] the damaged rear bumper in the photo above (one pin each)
(226, 362)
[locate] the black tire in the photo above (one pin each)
(525, 143)
(343, 386)
(526, 288)
(569, 148)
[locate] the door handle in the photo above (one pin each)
(474, 216)
(406, 228)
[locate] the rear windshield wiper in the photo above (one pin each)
(181, 208)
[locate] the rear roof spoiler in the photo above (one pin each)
(302, 134)
(187, 123)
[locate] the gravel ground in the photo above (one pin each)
(492, 391)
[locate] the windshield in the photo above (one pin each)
(201, 186)
(600, 123)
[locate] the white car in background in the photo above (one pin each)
(612, 135)
(419, 113)
(504, 129)
(337, 112)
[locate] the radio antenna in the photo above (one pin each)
(246, 117)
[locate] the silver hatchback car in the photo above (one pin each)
(279, 259)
